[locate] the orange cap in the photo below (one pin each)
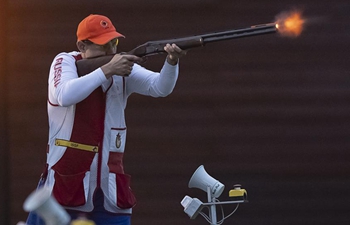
(98, 29)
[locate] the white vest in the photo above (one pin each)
(95, 122)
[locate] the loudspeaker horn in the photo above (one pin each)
(202, 180)
(41, 202)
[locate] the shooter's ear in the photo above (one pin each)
(81, 46)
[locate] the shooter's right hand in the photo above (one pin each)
(120, 65)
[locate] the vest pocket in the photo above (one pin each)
(124, 197)
(118, 140)
(69, 189)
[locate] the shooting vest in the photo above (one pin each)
(86, 165)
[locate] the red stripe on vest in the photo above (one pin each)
(88, 129)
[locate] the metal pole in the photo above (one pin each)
(212, 210)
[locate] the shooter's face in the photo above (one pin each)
(91, 50)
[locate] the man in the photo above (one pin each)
(87, 133)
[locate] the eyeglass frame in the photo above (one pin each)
(105, 46)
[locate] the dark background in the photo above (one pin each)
(268, 112)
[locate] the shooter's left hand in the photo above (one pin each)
(174, 53)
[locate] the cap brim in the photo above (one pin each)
(104, 38)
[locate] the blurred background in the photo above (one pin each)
(268, 112)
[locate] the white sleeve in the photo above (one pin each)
(65, 87)
(146, 82)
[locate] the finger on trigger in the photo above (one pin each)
(132, 58)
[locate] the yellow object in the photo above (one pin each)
(238, 193)
(82, 221)
(65, 143)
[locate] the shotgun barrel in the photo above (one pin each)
(85, 66)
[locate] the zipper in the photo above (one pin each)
(99, 165)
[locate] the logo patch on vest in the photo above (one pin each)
(118, 141)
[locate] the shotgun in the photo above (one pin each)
(85, 66)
